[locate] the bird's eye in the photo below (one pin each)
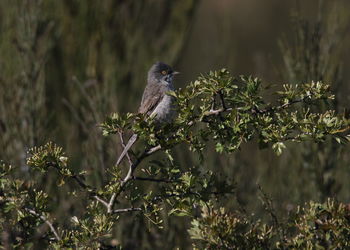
(164, 72)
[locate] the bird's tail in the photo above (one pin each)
(131, 141)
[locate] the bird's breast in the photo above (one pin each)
(165, 110)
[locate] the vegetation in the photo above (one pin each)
(246, 164)
(217, 109)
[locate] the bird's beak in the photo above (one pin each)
(176, 73)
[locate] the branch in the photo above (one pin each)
(114, 195)
(285, 105)
(160, 198)
(99, 199)
(133, 166)
(153, 180)
(222, 100)
(256, 110)
(216, 111)
(124, 210)
(80, 182)
(130, 176)
(83, 185)
(42, 217)
(111, 202)
(341, 130)
(268, 206)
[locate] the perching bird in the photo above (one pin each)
(155, 102)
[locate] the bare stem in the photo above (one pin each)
(42, 217)
(99, 199)
(124, 210)
(111, 203)
(129, 176)
(217, 111)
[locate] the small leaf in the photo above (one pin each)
(219, 147)
(278, 147)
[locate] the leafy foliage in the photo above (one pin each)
(227, 111)
(218, 229)
(321, 226)
(231, 111)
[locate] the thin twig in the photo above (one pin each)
(222, 100)
(267, 203)
(285, 105)
(217, 111)
(153, 180)
(99, 199)
(263, 111)
(129, 175)
(82, 184)
(213, 102)
(42, 217)
(187, 194)
(340, 130)
(124, 210)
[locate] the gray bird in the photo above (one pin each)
(155, 102)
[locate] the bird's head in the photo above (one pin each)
(161, 72)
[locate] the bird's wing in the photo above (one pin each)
(131, 141)
(152, 95)
(150, 99)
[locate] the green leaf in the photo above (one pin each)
(219, 147)
(278, 147)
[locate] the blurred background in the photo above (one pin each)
(66, 65)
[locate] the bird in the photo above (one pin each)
(155, 101)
